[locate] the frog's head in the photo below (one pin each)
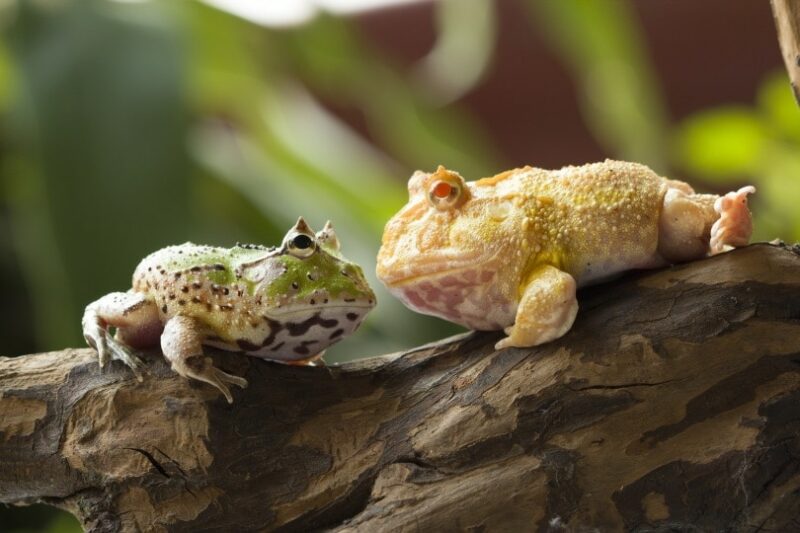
(448, 226)
(308, 282)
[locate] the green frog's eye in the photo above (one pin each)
(300, 240)
(301, 245)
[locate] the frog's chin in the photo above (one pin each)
(430, 266)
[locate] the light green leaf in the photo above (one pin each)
(721, 143)
(776, 101)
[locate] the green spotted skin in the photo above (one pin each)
(264, 301)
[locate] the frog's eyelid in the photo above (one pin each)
(302, 227)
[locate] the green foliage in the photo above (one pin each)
(721, 142)
(600, 43)
(759, 144)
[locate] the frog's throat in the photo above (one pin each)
(435, 265)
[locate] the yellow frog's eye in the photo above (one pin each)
(301, 245)
(444, 194)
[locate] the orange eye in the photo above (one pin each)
(444, 195)
(442, 190)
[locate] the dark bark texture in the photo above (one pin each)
(672, 405)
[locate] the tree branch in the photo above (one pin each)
(787, 21)
(673, 403)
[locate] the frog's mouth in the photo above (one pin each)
(302, 309)
(403, 272)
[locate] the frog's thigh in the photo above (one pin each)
(134, 316)
(181, 343)
(546, 311)
(685, 225)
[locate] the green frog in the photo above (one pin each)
(285, 303)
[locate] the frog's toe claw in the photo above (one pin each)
(120, 352)
(216, 377)
(219, 379)
(102, 351)
(502, 344)
(230, 378)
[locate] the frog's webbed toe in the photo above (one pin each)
(181, 343)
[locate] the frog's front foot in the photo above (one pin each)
(546, 311)
(181, 343)
(734, 225)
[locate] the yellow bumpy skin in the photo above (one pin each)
(508, 252)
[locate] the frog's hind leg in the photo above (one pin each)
(181, 343)
(135, 319)
(695, 225)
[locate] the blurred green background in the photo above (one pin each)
(127, 126)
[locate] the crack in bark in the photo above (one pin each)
(621, 386)
(147, 455)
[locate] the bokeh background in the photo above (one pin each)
(127, 126)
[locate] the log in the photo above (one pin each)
(672, 405)
(787, 22)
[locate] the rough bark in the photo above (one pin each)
(787, 21)
(673, 404)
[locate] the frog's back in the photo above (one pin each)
(602, 218)
(193, 279)
(190, 259)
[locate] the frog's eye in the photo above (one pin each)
(444, 194)
(445, 189)
(300, 240)
(301, 245)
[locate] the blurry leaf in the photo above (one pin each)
(101, 132)
(355, 172)
(778, 193)
(601, 44)
(463, 50)
(37, 518)
(7, 78)
(337, 64)
(776, 100)
(284, 152)
(224, 215)
(64, 522)
(721, 143)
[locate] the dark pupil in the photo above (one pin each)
(302, 242)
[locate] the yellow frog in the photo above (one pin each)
(508, 252)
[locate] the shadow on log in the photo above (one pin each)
(673, 404)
